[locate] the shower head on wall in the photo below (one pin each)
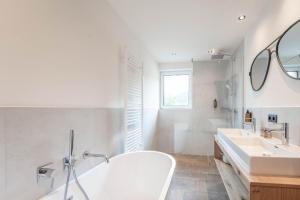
(217, 54)
(217, 57)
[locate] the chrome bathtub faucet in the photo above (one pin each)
(87, 154)
(69, 164)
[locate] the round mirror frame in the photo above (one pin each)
(250, 73)
(277, 52)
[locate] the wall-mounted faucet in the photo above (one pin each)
(44, 172)
(284, 129)
(87, 154)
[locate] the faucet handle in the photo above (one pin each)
(45, 165)
(45, 172)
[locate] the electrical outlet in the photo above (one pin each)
(272, 118)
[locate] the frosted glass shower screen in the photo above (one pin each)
(134, 106)
(194, 129)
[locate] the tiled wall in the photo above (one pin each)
(150, 135)
(2, 158)
(30, 137)
(185, 132)
(285, 114)
(191, 131)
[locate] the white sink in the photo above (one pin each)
(260, 156)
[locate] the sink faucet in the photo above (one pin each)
(284, 129)
(87, 154)
(252, 124)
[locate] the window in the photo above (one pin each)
(176, 89)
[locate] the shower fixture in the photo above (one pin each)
(69, 163)
(228, 85)
(217, 54)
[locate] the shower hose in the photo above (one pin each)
(71, 169)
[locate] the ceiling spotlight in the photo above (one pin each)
(242, 18)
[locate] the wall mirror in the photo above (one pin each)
(259, 69)
(288, 51)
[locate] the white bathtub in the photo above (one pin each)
(144, 175)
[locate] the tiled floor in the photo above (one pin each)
(196, 178)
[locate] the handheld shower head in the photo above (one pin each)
(71, 144)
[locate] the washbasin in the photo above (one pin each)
(258, 155)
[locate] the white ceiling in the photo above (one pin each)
(189, 27)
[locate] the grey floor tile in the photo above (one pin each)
(196, 178)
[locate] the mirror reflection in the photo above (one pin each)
(259, 69)
(288, 51)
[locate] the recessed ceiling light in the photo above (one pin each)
(242, 18)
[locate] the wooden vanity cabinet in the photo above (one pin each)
(254, 187)
(274, 193)
(265, 193)
(291, 193)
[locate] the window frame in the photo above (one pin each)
(175, 73)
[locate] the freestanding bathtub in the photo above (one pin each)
(144, 175)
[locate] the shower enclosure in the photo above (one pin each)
(217, 96)
(215, 103)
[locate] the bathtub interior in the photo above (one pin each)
(134, 176)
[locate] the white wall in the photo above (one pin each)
(176, 66)
(279, 90)
(151, 103)
(62, 53)
(238, 86)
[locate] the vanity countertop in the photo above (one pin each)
(260, 161)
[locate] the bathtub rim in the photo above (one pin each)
(165, 188)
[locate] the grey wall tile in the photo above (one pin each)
(35, 136)
(2, 157)
(150, 119)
